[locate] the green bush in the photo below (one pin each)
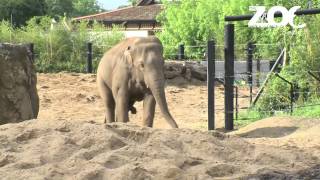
(303, 56)
(58, 48)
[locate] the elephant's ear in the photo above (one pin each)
(127, 56)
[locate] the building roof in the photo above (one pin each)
(146, 10)
(145, 2)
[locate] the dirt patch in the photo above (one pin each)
(75, 96)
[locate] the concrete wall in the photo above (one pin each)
(240, 67)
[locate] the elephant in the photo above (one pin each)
(133, 70)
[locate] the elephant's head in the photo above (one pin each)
(148, 67)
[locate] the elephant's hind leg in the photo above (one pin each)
(109, 103)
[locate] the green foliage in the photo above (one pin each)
(20, 11)
(303, 54)
(193, 22)
(57, 48)
(310, 109)
(6, 31)
(248, 116)
(85, 7)
(133, 2)
(58, 7)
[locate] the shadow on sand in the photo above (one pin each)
(309, 173)
(269, 132)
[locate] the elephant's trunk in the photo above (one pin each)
(156, 85)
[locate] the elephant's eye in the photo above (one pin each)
(142, 65)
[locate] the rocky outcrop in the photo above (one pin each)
(186, 69)
(19, 99)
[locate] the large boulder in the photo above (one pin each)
(19, 98)
(186, 69)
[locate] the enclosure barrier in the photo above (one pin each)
(250, 50)
(314, 76)
(229, 76)
(274, 67)
(181, 52)
(229, 59)
(89, 57)
(291, 91)
(31, 49)
(211, 83)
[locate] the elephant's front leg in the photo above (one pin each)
(122, 103)
(149, 104)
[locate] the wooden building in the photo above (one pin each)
(139, 20)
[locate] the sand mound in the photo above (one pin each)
(87, 150)
(300, 132)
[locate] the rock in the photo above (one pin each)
(19, 98)
(188, 70)
(198, 71)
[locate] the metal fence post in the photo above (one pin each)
(250, 49)
(181, 52)
(271, 64)
(211, 83)
(89, 57)
(237, 104)
(229, 76)
(291, 91)
(258, 72)
(31, 49)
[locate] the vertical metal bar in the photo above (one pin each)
(291, 91)
(31, 49)
(89, 57)
(229, 76)
(250, 49)
(291, 99)
(181, 52)
(258, 72)
(237, 97)
(211, 83)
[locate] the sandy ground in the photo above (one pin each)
(75, 96)
(69, 140)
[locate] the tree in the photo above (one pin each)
(193, 22)
(85, 7)
(59, 7)
(19, 11)
(133, 2)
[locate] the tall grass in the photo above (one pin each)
(61, 47)
(310, 109)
